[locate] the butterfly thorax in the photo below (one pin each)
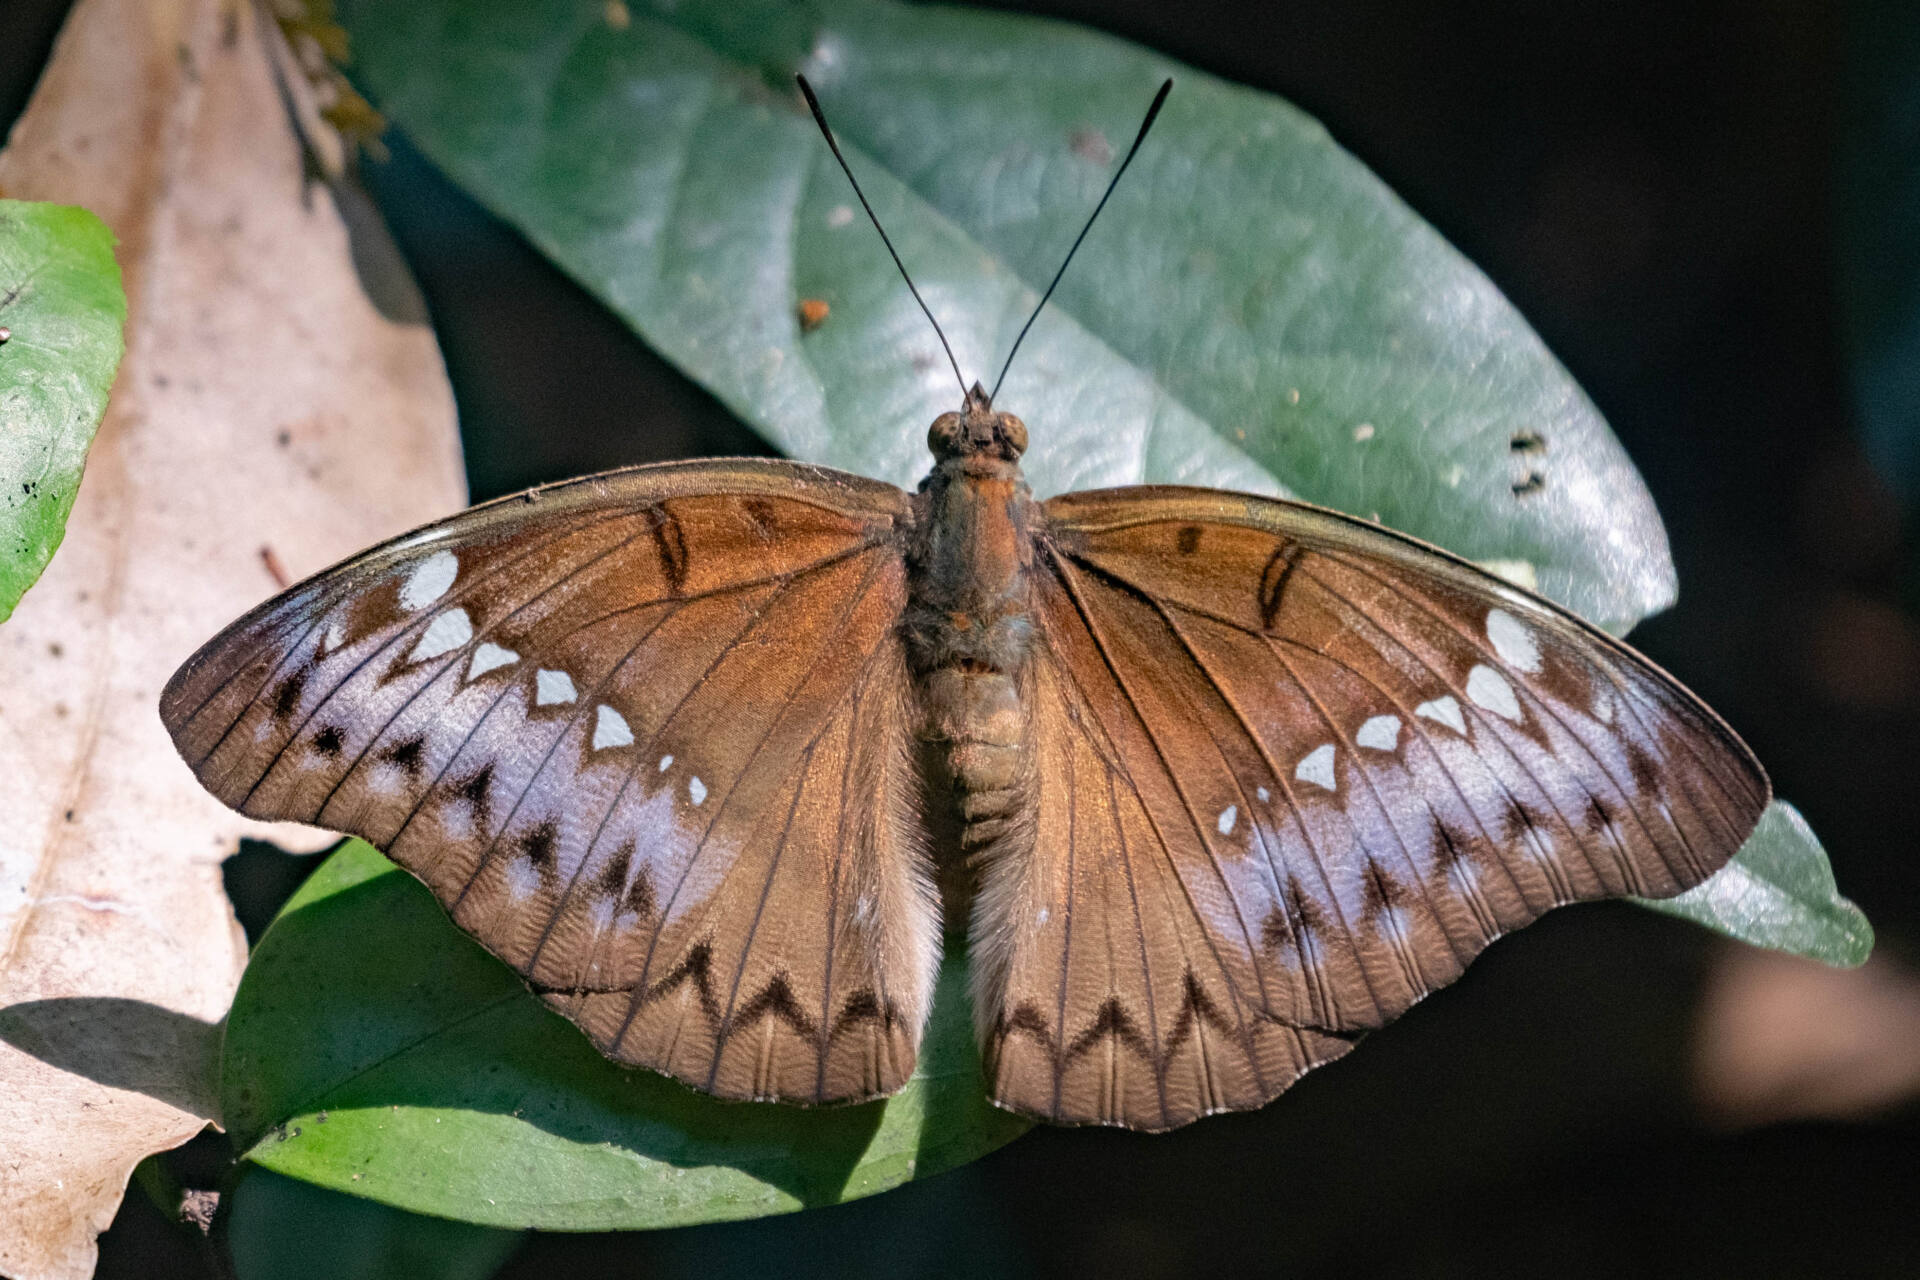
(968, 625)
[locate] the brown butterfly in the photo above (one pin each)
(1214, 783)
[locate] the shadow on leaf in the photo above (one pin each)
(375, 1047)
(123, 1044)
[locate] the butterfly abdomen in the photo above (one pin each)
(978, 721)
(969, 631)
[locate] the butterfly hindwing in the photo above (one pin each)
(1102, 989)
(1296, 773)
(646, 737)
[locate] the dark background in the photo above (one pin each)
(1655, 186)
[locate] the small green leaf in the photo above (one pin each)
(1255, 310)
(60, 299)
(373, 1048)
(282, 1229)
(1779, 893)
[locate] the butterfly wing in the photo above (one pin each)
(645, 736)
(1295, 772)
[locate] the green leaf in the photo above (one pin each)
(60, 298)
(282, 1229)
(1778, 892)
(1255, 310)
(373, 1048)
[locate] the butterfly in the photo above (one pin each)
(713, 752)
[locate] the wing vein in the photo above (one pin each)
(1707, 769)
(1106, 657)
(1159, 1063)
(725, 1029)
(1386, 810)
(1492, 732)
(646, 969)
(1499, 736)
(425, 617)
(1413, 722)
(1315, 857)
(453, 666)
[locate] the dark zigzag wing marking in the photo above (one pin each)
(1629, 695)
(858, 1018)
(350, 580)
(1487, 723)
(1539, 771)
(1542, 707)
(1160, 754)
(760, 746)
(1151, 678)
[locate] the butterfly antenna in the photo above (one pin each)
(1153, 111)
(819, 118)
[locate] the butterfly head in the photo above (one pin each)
(978, 430)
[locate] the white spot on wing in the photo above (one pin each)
(666, 762)
(1443, 711)
(1382, 733)
(1603, 706)
(610, 729)
(1363, 433)
(445, 633)
(552, 686)
(456, 821)
(489, 657)
(1514, 641)
(698, 790)
(1263, 793)
(523, 879)
(336, 636)
(428, 580)
(839, 216)
(1490, 689)
(1317, 767)
(1228, 816)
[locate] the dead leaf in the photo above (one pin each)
(281, 389)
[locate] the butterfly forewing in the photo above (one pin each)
(646, 736)
(1329, 766)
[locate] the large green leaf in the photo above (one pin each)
(1255, 310)
(1251, 299)
(60, 298)
(373, 1048)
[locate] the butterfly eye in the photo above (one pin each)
(947, 436)
(1014, 432)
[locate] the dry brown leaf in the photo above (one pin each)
(282, 402)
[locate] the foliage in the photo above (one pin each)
(414, 1068)
(60, 300)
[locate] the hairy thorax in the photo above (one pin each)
(968, 632)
